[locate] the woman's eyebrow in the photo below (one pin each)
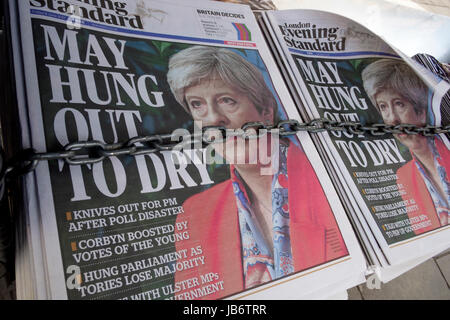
(218, 94)
(193, 97)
(225, 94)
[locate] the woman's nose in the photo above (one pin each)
(216, 118)
(393, 118)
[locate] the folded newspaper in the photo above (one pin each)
(264, 216)
(396, 186)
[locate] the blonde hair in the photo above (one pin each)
(395, 75)
(191, 66)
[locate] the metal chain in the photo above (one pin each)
(90, 152)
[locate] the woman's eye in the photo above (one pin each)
(195, 104)
(382, 106)
(399, 104)
(227, 101)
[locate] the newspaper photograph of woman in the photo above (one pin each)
(253, 227)
(401, 97)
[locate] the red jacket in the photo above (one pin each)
(414, 186)
(213, 224)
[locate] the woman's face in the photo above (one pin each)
(395, 109)
(215, 103)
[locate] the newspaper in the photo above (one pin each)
(172, 224)
(343, 72)
(29, 266)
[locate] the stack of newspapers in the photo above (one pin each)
(184, 170)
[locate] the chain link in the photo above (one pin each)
(90, 152)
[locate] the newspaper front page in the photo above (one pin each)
(192, 223)
(344, 73)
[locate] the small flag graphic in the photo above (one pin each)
(243, 32)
